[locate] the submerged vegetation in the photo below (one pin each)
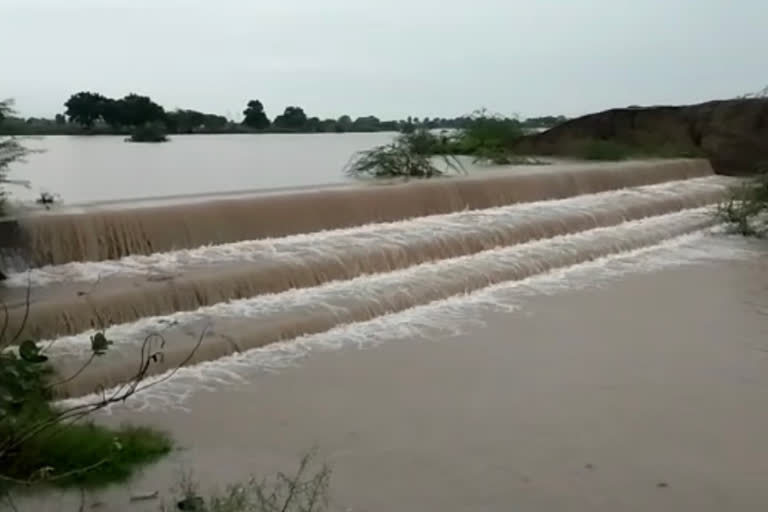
(418, 152)
(487, 133)
(150, 132)
(410, 155)
(746, 210)
(304, 490)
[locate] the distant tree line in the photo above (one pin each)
(93, 113)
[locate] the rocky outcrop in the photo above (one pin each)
(733, 134)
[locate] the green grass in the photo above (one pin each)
(66, 453)
(111, 455)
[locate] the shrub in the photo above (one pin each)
(150, 132)
(410, 156)
(43, 444)
(746, 209)
(489, 132)
(303, 491)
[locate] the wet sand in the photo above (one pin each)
(583, 401)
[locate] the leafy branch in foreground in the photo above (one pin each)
(410, 155)
(746, 210)
(44, 444)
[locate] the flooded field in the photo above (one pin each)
(582, 338)
(634, 384)
(105, 168)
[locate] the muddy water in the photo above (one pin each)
(566, 342)
(102, 168)
(640, 392)
(95, 235)
(242, 325)
(68, 299)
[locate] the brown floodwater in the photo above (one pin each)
(643, 393)
(106, 168)
(69, 299)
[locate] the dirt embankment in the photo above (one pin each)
(733, 134)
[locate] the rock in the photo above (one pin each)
(732, 134)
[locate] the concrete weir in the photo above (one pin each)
(111, 234)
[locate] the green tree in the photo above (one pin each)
(85, 108)
(366, 124)
(112, 113)
(214, 122)
(314, 125)
(136, 110)
(293, 118)
(329, 126)
(344, 123)
(255, 116)
(183, 121)
(389, 126)
(60, 119)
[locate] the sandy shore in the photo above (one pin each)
(647, 394)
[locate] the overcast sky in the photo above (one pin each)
(391, 58)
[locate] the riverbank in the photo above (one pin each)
(730, 133)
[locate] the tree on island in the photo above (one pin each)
(136, 110)
(293, 118)
(85, 108)
(255, 117)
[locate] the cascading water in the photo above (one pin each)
(327, 258)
